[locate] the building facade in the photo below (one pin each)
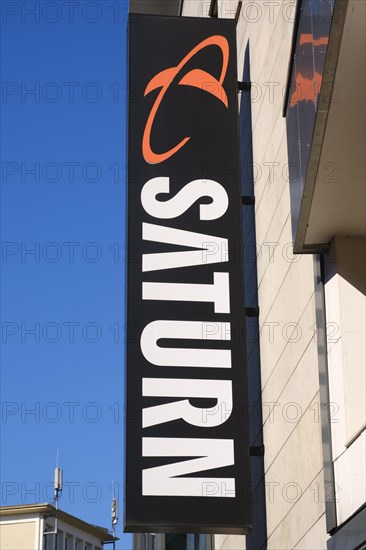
(302, 144)
(32, 527)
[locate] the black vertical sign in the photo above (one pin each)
(187, 454)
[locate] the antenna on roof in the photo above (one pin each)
(57, 489)
(114, 513)
(58, 480)
(57, 485)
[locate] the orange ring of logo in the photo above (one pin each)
(196, 78)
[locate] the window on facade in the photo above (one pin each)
(175, 542)
(48, 540)
(60, 540)
(214, 10)
(198, 542)
(69, 539)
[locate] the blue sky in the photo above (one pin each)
(63, 239)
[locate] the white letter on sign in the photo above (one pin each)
(218, 292)
(185, 357)
(163, 480)
(170, 260)
(220, 390)
(187, 196)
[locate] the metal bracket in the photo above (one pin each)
(248, 200)
(244, 86)
(256, 450)
(252, 311)
(238, 10)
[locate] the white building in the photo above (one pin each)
(25, 527)
(303, 160)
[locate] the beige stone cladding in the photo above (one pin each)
(289, 361)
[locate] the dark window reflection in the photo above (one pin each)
(306, 82)
(175, 542)
(187, 542)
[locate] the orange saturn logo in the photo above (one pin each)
(197, 78)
